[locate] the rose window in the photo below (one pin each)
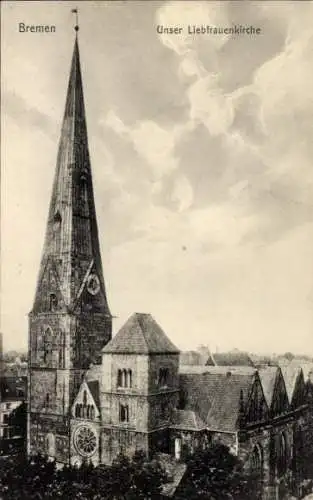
(85, 441)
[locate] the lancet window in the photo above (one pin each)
(124, 378)
(47, 346)
(124, 413)
(84, 410)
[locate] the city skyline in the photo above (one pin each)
(201, 173)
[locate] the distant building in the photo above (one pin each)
(192, 358)
(231, 358)
(203, 357)
(13, 391)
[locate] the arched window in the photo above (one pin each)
(88, 411)
(50, 445)
(57, 219)
(119, 378)
(92, 412)
(256, 460)
(163, 377)
(77, 410)
(178, 448)
(53, 303)
(124, 413)
(80, 410)
(130, 378)
(282, 461)
(47, 346)
(124, 378)
(85, 398)
(47, 401)
(61, 348)
(297, 452)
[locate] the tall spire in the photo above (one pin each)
(71, 240)
(70, 321)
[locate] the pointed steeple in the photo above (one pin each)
(71, 248)
(70, 321)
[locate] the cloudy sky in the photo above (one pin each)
(201, 152)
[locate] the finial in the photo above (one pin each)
(75, 11)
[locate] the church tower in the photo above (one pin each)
(70, 321)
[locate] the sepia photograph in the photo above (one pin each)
(156, 250)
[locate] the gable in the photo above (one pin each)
(280, 403)
(232, 358)
(299, 393)
(257, 409)
(89, 288)
(49, 297)
(268, 379)
(87, 398)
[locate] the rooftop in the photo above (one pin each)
(141, 334)
(215, 396)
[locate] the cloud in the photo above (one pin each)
(182, 193)
(17, 109)
(202, 163)
(252, 134)
(156, 146)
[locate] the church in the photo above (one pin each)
(92, 396)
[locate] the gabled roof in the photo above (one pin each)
(93, 388)
(291, 375)
(232, 358)
(224, 412)
(187, 420)
(268, 379)
(216, 396)
(140, 335)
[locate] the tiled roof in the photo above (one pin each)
(215, 396)
(268, 378)
(140, 335)
(187, 420)
(233, 358)
(13, 388)
(94, 389)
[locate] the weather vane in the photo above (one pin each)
(75, 11)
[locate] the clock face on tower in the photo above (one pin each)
(85, 440)
(93, 284)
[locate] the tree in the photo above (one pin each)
(289, 356)
(216, 474)
(37, 478)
